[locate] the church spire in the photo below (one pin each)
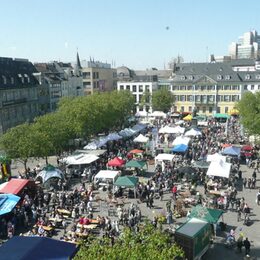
(78, 61)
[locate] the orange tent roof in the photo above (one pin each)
(136, 151)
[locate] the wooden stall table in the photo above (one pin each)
(64, 212)
(90, 226)
(215, 192)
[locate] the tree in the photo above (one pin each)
(146, 100)
(148, 243)
(162, 100)
(249, 111)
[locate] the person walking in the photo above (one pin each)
(247, 246)
(258, 198)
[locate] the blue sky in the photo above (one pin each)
(132, 32)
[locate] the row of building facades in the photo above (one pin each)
(29, 90)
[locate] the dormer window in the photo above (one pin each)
(4, 79)
(219, 77)
(183, 77)
(257, 76)
(247, 76)
(28, 78)
(191, 77)
(21, 77)
(227, 77)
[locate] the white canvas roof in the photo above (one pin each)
(192, 132)
(164, 157)
(80, 159)
(172, 130)
(107, 174)
(219, 168)
(141, 139)
(181, 140)
(158, 114)
(215, 157)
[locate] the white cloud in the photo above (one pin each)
(66, 45)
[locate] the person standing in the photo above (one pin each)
(247, 245)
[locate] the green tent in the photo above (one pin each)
(200, 117)
(218, 115)
(135, 164)
(126, 181)
(210, 215)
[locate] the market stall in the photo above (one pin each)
(106, 177)
(116, 162)
(127, 182)
(23, 248)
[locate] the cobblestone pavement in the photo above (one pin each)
(218, 249)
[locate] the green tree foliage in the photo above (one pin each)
(162, 100)
(249, 111)
(149, 243)
(75, 117)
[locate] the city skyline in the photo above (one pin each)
(137, 34)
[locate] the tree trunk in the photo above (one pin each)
(46, 160)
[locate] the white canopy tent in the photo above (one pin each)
(106, 177)
(172, 130)
(219, 168)
(158, 114)
(141, 114)
(215, 157)
(193, 132)
(160, 158)
(141, 139)
(80, 159)
(179, 122)
(181, 140)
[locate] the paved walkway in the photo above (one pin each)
(218, 249)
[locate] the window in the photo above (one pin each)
(218, 109)
(189, 87)
(204, 110)
(247, 76)
(182, 87)
(211, 87)
(210, 109)
(258, 87)
(235, 87)
(147, 87)
(203, 88)
(197, 98)
(252, 87)
(245, 87)
(121, 87)
(219, 77)
(141, 88)
(257, 76)
(190, 98)
(226, 98)
(226, 110)
(204, 99)
(135, 98)
(190, 109)
(182, 109)
(86, 75)
(227, 77)
(127, 87)
(182, 98)
(183, 77)
(227, 87)
(235, 98)
(191, 77)
(211, 98)
(220, 87)
(134, 88)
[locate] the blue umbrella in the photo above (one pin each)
(7, 203)
(180, 148)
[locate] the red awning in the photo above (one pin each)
(116, 162)
(247, 148)
(14, 186)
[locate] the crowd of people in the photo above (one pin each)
(71, 208)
